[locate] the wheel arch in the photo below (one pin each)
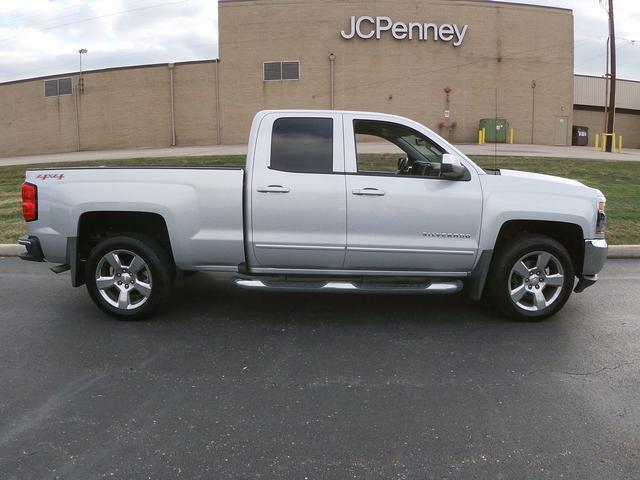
(95, 226)
(570, 235)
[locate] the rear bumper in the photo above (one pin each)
(34, 250)
(595, 254)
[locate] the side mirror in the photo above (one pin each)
(451, 167)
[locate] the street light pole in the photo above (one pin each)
(80, 79)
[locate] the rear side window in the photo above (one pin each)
(303, 145)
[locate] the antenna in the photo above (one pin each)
(495, 132)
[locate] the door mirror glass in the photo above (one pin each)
(451, 167)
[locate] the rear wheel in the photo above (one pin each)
(128, 277)
(532, 278)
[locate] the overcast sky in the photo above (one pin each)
(42, 37)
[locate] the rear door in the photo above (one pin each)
(298, 205)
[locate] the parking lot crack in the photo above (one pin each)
(603, 369)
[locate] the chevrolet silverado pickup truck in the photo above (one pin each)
(312, 211)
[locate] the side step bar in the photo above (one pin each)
(439, 287)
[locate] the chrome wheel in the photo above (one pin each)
(536, 281)
(123, 279)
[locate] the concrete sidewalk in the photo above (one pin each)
(469, 149)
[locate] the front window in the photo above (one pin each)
(408, 152)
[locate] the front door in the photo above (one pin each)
(401, 215)
(298, 205)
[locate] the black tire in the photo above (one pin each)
(504, 279)
(156, 277)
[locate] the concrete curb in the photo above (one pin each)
(615, 251)
(11, 250)
(624, 251)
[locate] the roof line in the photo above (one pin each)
(109, 69)
(602, 78)
(475, 1)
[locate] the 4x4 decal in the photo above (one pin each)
(53, 176)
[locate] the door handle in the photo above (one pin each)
(369, 191)
(273, 189)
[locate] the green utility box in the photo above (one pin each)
(495, 129)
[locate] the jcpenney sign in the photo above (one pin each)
(370, 27)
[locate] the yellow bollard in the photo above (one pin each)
(597, 143)
(620, 144)
(613, 143)
(484, 136)
(511, 136)
(479, 137)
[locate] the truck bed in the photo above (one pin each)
(202, 207)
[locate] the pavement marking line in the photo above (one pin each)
(55, 401)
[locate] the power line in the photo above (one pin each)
(89, 19)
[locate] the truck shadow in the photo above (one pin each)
(212, 295)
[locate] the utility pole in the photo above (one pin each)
(612, 91)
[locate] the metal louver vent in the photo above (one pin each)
(64, 86)
(57, 87)
(291, 70)
(51, 88)
(272, 71)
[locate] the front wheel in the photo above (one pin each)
(128, 277)
(533, 277)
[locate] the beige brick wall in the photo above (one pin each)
(507, 46)
(119, 108)
(31, 122)
(627, 125)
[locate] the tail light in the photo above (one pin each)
(29, 201)
(602, 217)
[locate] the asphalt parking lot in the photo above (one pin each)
(232, 384)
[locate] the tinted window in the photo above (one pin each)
(302, 145)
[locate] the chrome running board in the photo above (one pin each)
(429, 287)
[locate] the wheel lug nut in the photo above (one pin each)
(119, 283)
(126, 285)
(537, 287)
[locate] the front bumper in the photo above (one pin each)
(595, 254)
(34, 250)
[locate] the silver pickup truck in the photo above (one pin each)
(311, 211)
